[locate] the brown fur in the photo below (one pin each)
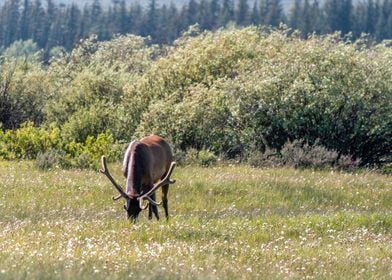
(145, 162)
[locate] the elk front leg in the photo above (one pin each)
(153, 209)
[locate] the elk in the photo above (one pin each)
(147, 165)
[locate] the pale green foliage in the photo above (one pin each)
(51, 148)
(27, 50)
(270, 88)
(27, 142)
(23, 92)
(91, 82)
(201, 158)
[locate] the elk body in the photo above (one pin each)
(147, 166)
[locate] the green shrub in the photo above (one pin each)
(207, 158)
(52, 158)
(84, 161)
(299, 153)
(387, 169)
(88, 154)
(50, 149)
(268, 158)
(241, 89)
(24, 91)
(27, 141)
(203, 157)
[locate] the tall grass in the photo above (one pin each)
(226, 223)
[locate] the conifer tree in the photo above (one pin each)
(73, 16)
(274, 14)
(151, 21)
(255, 14)
(214, 13)
(24, 21)
(96, 18)
(242, 13)
(331, 9)
(345, 16)
(10, 15)
(306, 19)
(318, 21)
(295, 15)
(192, 13)
(123, 18)
(203, 15)
(226, 13)
(135, 18)
(371, 17)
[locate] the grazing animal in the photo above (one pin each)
(148, 164)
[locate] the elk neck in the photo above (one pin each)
(133, 165)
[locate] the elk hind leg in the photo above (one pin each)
(165, 190)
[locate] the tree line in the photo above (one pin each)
(51, 25)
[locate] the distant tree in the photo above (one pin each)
(73, 16)
(10, 18)
(275, 13)
(306, 23)
(203, 16)
(345, 16)
(382, 30)
(359, 19)
(214, 13)
(37, 25)
(22, 49)
(51, 14)
(50, 24)
(226, 13)
(24, 21)
(208, 14)
(192, 12)
(135, 18)
(295, 14)
(371, 17)
(318, 20)
(255, 14)
(150, 25)
(96, 17)
(122, 22)
(57, 30)
(242, 12)
(331, 9)
(174, 23)
(168, 29)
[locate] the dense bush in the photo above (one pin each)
(23, 92)
(235, 90)
(50, 148)
(28, 141)
(300, 154)
(51, 158)
(236, 93)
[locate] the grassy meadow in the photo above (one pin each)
(227, 222)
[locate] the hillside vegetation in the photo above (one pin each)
(233, 92)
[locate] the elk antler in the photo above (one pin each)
(152, 201)
(105, 171)
(164, 181)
